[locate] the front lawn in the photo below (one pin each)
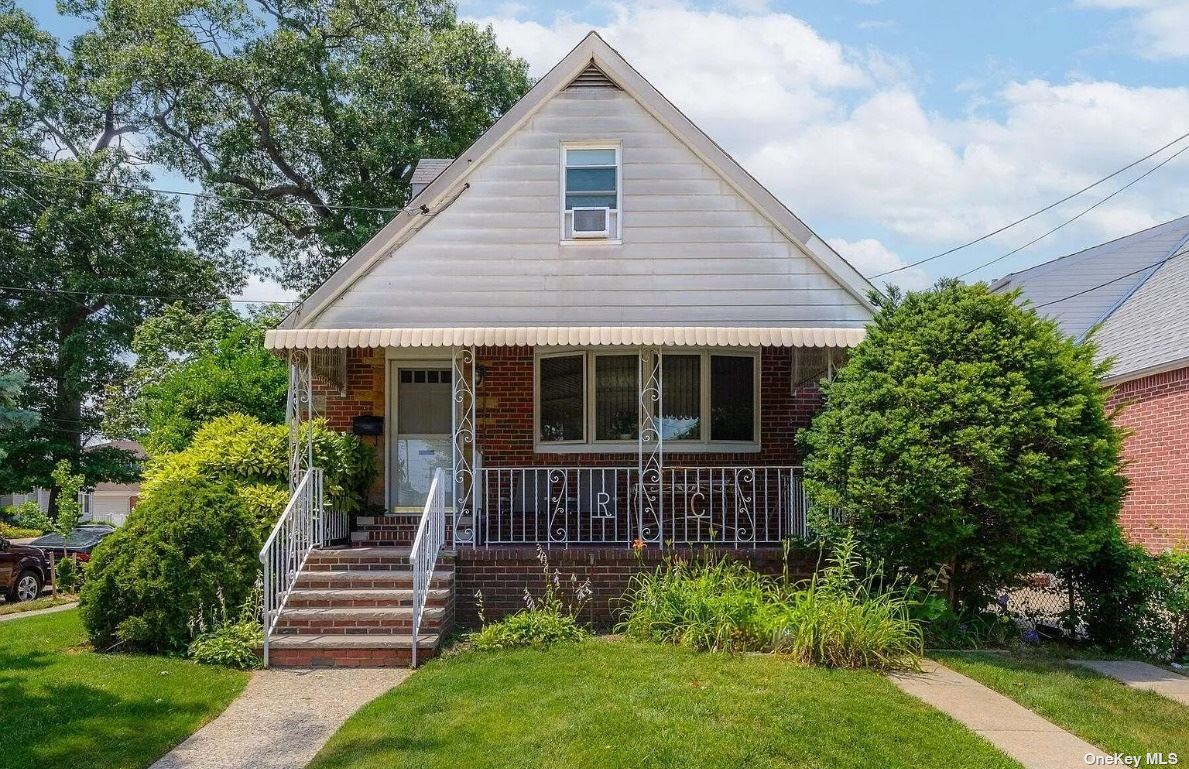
(625, 704)
(63, 705)
(1098, 709)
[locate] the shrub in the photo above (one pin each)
(1132, 601)
(29, 516)
(186, 544)
(13, 532)
(836, 619)
(707, 604)
(968, 432)
(545, 621)
(70, 574)
(233, 643)
(536, 628)
(844, 620)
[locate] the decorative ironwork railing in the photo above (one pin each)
(298, 531)
(427, 543)
(736, 506)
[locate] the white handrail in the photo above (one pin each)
(423, 556)
(298, 531)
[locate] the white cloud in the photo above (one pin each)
(1160, 26)
(840, 134)
(871, 257)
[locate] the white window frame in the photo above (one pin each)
(614, 236)
(702, 445)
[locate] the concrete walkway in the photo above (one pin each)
(39, 612)
(282, 719)
(1141, 675)
(1015, 730)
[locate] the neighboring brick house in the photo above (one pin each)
(593, 329)
(1133, 294)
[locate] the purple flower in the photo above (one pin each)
(1002, 600)
(1031, 637)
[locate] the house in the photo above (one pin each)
(1133, 294)
(105, 502)
(593, 332)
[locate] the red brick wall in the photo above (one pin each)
(503, 574)
(1156, 413)
(364, 396)
(505, 412)
(505, 415)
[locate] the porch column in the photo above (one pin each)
(650, 501)
(463, 445)
(299, 407)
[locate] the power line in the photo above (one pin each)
(1168, 258)
(1078, 216)
(1032, 215)
(99, 292)
(204, 195)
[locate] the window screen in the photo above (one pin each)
(561, 403)
(591, 179)
(617, 397)
(681, 396)
(732, 398)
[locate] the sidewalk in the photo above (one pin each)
(1009, 726)
(282, 719)
(1141, 675)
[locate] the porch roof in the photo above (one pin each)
(533, 336)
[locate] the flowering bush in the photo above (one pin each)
(545, 621)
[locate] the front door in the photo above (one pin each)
(423, 432)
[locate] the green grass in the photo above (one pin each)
(64, 705)
(626, 704)
(1098, 709)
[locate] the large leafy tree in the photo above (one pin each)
(87, 253)
(967, 432)
(305, 117)
(193, 367)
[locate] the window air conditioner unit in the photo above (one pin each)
(592, 222)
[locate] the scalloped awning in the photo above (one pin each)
(540, 336)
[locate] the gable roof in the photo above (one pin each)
(592, 51)
(1136, 302)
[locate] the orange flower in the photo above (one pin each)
(638, 545)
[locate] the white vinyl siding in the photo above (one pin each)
(691, 251)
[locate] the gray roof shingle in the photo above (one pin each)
(1143, 310)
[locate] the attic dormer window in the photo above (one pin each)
(590, 191)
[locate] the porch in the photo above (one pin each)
(569, 445)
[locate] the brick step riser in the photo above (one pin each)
(362, 603)
(382, 538)
(312, 582)
(402, 626)
(347, 658)
(392, 564)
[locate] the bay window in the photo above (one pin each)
(590, 400)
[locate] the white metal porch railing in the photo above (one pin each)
(427, 543)
(737, 506)
(298, 531)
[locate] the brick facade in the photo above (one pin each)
(504, 412)
(503, 574)
(1155, 412)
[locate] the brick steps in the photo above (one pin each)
(352, 607)
(350, 651)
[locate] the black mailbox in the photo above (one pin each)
(368, 425)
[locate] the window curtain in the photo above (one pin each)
(681, 396)
(617, 397)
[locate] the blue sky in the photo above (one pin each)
(897, 129)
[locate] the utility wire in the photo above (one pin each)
(1032, 215)
(100, 292)
(1168, 258)
(205, 195)
(1079, 215)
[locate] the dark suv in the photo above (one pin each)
(23, 571)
